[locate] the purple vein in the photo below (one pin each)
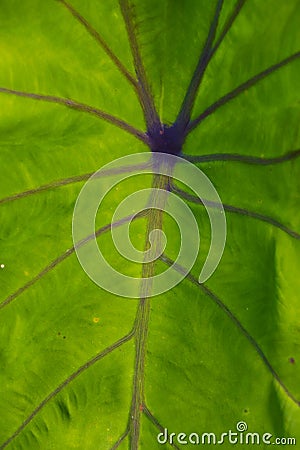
(261, 161)
(184, 114)
(153, 419)
(66, 382)
(228, 24)
(71, 180)
(234, 319)
(240, 89)
(69, 103)
(65, 255)
(145, 95)
(237, 210)
(99, 39)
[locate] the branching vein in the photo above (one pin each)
(73, 104)
(98, 38)
(234, 319)
(120, 440)
(228, 24)
(154, 420)
(184, 115)
(145, 95)
(71, 180)
(235, 209)
(66, 382)
(248, 159)
(240, 89)
(65, 255)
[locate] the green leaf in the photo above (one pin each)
(85, 83)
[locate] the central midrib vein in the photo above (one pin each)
(155, 221)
